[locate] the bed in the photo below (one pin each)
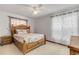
(26, 41)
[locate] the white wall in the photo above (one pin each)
(43, 25)
(4, 22)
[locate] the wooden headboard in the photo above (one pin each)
(13, 28)
(18, 23)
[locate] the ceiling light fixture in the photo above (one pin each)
(35, 12)
(36, 9)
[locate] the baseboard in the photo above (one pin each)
(56, 42)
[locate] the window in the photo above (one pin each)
(64, 26)
(17, 21)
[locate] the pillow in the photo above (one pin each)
(20, 31)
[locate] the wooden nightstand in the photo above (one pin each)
(5, 40)
(74, 45)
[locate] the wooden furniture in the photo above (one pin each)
(26, 47)
(13, 28)
(5, 40)
(23, 46)
(74, 45)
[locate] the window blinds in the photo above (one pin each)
(64, 26)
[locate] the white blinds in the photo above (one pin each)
(64, 26)
(16, 22)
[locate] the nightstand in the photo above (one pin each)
(5, 40)
(74, 45)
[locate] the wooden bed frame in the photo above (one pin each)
(26, 47)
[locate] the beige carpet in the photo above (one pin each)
(48, 49)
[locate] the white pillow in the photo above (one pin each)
(19, 31)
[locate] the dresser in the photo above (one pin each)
(74, 45)
(5, 40)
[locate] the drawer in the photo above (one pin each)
(6, 40)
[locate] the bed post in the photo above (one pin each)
(44, 39)
(25, 48)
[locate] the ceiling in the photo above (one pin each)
(26, 9)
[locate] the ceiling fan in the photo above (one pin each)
(36, 8)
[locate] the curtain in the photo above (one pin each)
(63, 27)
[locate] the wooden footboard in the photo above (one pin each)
(19, 44)
(24, 47)
(32, 46)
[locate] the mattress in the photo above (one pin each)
(28, 38)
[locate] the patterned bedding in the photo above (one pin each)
(31, 37)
